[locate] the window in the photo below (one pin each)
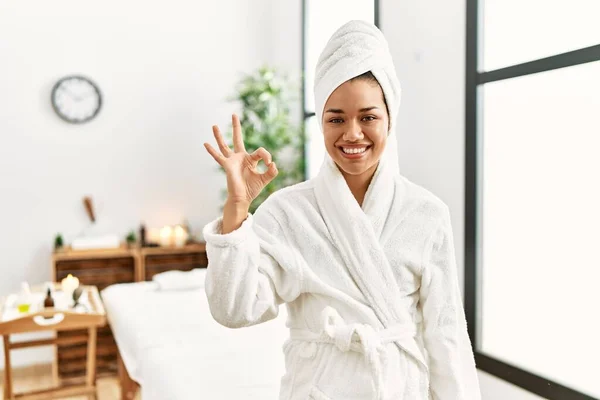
(533, 193)
(516, 31)
(320, 19)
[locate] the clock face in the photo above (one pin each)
(76, 99)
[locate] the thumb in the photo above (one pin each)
(270, 173)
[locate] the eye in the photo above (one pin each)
(369, 118)
(336, 120)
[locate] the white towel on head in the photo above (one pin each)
(355, 48)
(181, 280)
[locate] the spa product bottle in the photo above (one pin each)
(24, 298)
(143, 235)
(48, 301)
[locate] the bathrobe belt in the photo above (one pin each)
(360, 338)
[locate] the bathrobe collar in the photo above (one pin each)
(360, 233)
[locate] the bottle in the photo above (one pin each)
(143, 235)
(48, 301)
(24, 298)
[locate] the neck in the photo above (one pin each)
(359, 184)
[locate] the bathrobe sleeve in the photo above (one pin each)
(451, 362)
(251, 270)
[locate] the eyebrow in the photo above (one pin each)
(340, 111)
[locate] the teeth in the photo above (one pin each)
(353, 150)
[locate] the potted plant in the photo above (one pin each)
(58, 242)
(265, 97)
(130, 239)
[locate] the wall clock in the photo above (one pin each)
(76, 99)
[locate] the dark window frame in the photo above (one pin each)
(306, 114)
(474, 80)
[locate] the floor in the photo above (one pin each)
(40, 377)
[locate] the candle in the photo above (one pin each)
(68, 285)
(153, 235)
(166, 236)
(181, 236)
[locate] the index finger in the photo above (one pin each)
(261, 153)
(238, 141)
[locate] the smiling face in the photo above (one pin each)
(355, 126)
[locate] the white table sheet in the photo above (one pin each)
(171, 345)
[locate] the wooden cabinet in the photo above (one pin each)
(99, 272)
(102, 268)
(157, 260)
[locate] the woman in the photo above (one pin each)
(363, 258)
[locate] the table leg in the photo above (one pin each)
(8, 394)
(91, 359)
(129, 387)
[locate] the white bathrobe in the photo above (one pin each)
(374, 305)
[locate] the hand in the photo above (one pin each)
(244, 181)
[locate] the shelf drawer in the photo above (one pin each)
(77, 367)
(74, 352)
(96, 263)
(100, 278)
(72, 357)
(158, 263)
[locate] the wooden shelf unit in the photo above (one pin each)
(103, 268)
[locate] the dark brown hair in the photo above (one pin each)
(369, 77)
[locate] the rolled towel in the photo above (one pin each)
(96, 242)
(181, 280)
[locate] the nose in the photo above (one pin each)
(354, 132)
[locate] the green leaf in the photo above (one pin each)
(265, 96)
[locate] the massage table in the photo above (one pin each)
(170, 347)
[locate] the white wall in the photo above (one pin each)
(165, 71)
(428, 45)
